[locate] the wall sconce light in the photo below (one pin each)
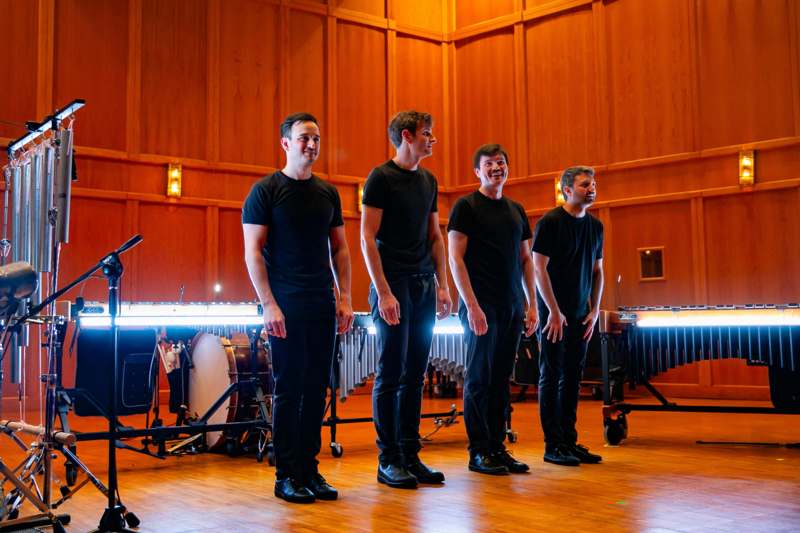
(747, 168)
(360, 195)
(174, 175)
(560, 200)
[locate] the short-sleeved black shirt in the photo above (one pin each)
(299, 215)
(573, 245)
(494, 230)
(407, 198)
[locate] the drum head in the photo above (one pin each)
(208, 380)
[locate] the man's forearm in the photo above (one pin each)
(374, 267)
(546, 290)
(529, 281)
(438, 255)
(597, 288)
(259, 277)
(463, 284)
(341, 271)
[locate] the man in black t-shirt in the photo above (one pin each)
(490, 258)
(568, 255)
(295, 248)
(404, 252)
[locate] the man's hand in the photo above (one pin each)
(389, 308)
(443, 302)
(274, 321)
(554, 329)
(589, 322)
(344, 316)
(531, 320)
(477, 320)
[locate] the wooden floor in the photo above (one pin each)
(657, 480)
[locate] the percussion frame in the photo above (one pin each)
(615, 412)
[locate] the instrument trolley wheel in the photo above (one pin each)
(71, 473)
(64, 490)
(132, 520)
(233, 447)
(337, 450)
(615, 430)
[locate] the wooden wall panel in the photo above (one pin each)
(650, 78)
(561, 93)
(174, 78)
(306, 79)
(248, 79)
(214, 184)
(233, 277)
(419, 86)
(474, 11)
(369, 7)
(485, 98)
(91, 62)
(745, 71)
(361, 105)
(96, 228)
(664, 224)
(737, 372)
(427, 14)
(751, 247)
(18, 26)
(173, 253)
(360, 276)
(109, 175)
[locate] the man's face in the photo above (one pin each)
(582, 192)
(303, 146)
(492, 170)
(422, 141)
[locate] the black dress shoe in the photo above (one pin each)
(423, 473)
(293, 491)
(395, 475)
(321, 489)
(584, 455)
(561, 455)
(486, 463)
(507, 460)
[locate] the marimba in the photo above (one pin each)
(654, 339)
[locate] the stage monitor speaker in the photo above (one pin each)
(784, 388)
(136, 376)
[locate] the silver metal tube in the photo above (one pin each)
(16, 212)
(25, 214)
(45, 247)
(36, 207)
(63, 185)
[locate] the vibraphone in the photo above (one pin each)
(654, 340)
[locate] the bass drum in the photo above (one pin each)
(218, 363)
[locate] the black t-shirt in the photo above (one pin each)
(573, 245)
(299, 215)
(407, 198)
(494, 230)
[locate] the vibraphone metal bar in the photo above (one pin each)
(658, 339)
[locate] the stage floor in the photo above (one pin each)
(657, 480)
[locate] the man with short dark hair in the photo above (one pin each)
(568, 257)
(295, 248)
(490, 258)
(404, 252)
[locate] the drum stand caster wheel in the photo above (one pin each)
(233, 447)
(132, 520)
(71, 473)
(337, 450)
(615, 430)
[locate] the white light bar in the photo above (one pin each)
(167, 315)
(718, 318)
(437, 330)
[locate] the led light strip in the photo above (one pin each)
(437, 330)
(743, 318)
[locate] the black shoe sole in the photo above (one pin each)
(412, 484)
(327, 496)
(479, 470)
(561, 463)
(291, 499)
(519, 470)
(591, 462)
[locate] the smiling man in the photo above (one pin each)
(295, 248)
(568, 255)
(404, 252)
(490, 258)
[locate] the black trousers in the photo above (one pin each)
(490, 361)
(403, 359)
(301, 366)
(560, 370)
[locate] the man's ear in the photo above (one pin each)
(285, 144)
(477, 172)
(407, 136)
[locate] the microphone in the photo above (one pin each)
(17, 281)
(130, 243)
